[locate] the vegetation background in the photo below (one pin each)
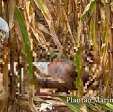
(80, 30)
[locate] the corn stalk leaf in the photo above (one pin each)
(110, 106)
(90, 6)
(47, 15)
(11, 8)
(77, 61)
(25, 38)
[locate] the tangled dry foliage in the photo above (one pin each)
(81, 30)
(77, 29)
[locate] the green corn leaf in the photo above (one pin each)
(110, 106)
(78, 62)
(25, 38)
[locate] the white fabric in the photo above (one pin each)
(42, 66)
(4, 27)
(45, 107)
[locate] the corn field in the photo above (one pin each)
(41, 30)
